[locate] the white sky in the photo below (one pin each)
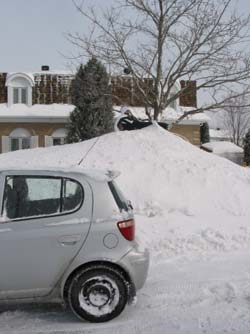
(32, 32)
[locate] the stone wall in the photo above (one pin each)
(56, 88)
(188, 132)
(52, 89)
(126, 92)
(3, 89)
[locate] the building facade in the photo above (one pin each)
(35, 107)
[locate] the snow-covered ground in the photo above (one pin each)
(192, 211)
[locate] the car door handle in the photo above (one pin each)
(5, 230)
(69, 240)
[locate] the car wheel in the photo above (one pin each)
(98, 294)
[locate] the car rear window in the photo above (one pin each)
(120, 200)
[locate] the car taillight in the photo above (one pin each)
(127, 229)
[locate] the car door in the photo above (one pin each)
(38, 242)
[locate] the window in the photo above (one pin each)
(58, 141)
(120, 200)
(20, 95)
(35, 196)
(20, 139)
(59, 136)
(72, 195)
(19, 144)
(19, 87)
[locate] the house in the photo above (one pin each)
(188, 129)
(35, 108)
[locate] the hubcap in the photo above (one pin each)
(97, 293)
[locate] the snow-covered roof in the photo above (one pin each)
(36, 113)
(170, 115)
(13, 75)
(55, 72)
(222, 147)
(219, 133)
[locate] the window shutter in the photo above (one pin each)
(48, 141)
(5, 144)
(34, 141)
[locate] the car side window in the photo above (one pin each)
(27, 196)
(34, 196)
(72, 195)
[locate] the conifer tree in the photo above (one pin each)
(204, 131)
(247, 147)
(91, 94)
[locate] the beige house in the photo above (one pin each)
(188, 128)
(35, 108)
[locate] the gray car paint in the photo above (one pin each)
(38, 255)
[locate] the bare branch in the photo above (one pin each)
(165, 41)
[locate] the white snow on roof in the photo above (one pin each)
(223, 147)
(55, 72)
(28, 74)
(50, 72)
(170, 115)
(35, 111)
(219, 133)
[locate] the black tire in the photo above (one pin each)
(98, 294)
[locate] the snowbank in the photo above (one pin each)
(186, 200)
(223, 147)
(158, 170)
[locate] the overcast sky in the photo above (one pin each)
(32, 32)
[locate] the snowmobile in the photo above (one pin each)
(128, 121)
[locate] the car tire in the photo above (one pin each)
(98, 294)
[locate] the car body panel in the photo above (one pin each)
(37, 251)
(38, 255)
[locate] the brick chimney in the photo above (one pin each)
(3, 89)
(188, 97)
(45, 68)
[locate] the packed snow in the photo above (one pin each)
(192, 212)
(169, 114)
(51, 111)
(223, 147)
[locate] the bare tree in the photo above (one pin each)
(164, 41)
(236, 119)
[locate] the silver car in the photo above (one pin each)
(69, 236)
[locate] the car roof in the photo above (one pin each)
(95, 174)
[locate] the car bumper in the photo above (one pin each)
(136, 263)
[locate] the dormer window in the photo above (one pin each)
(20, 88)
(20, 95)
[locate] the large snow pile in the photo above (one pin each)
(185, 199)
(158, 170)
